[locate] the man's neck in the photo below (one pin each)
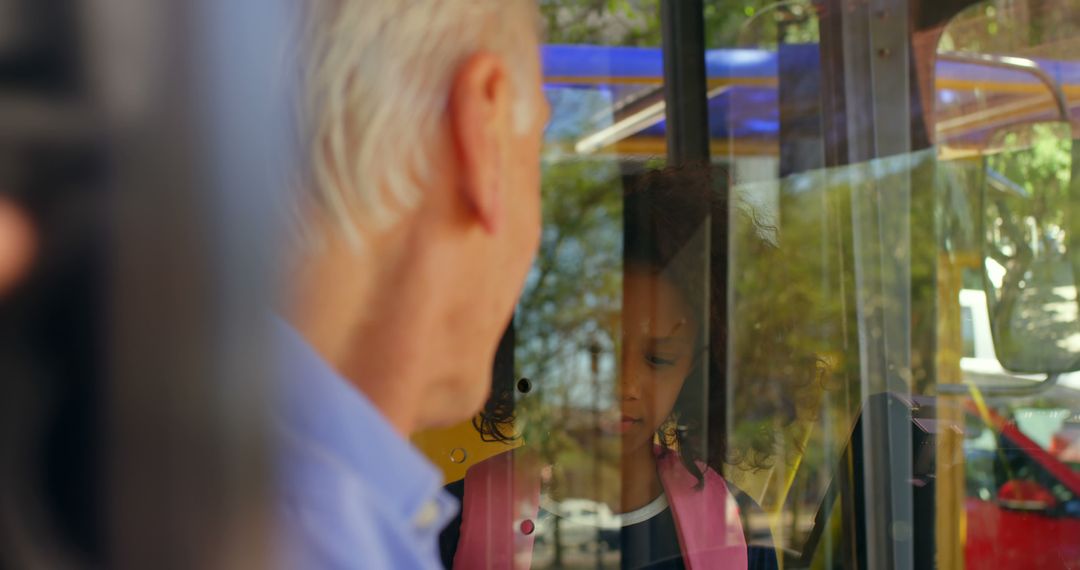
(330, 286)
(347, 306)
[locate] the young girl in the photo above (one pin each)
(677, 510)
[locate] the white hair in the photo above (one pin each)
(374, 79)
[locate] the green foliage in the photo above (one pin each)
(1027, 233)
(1030, 28)
(728, 23)
(572, 297)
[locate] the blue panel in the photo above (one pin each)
(750, 110)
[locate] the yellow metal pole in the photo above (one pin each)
(950, 524)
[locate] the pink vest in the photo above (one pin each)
(499, 498)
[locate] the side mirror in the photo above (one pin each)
(1031, 265)
(1025, 495)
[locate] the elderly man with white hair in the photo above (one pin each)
(417, 219)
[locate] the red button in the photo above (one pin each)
(527, 527)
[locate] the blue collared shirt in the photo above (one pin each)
(356, 494)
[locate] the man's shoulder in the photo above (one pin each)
(329, 516)
(317, 484)
(333, 518)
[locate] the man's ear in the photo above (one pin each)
(479, 118)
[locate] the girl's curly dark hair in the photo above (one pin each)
(664, 213)
(495, 422)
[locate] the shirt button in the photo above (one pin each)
(427, 516)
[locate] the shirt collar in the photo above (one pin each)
(321, 407)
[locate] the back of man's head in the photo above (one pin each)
(418, 211)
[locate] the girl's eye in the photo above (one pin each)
(657, 360)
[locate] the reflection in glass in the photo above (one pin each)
(623, 457)
(1006, 152)
(1030, 280)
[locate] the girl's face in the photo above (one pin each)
(659, 335)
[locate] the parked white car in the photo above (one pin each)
(584, 524)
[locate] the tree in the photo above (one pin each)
(728, 23)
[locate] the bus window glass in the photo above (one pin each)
(786, 354)
(1006, 88)
(787, 430)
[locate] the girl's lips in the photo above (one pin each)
(627, 423)
(619, 425)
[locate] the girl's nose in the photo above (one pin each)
(629, 384)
